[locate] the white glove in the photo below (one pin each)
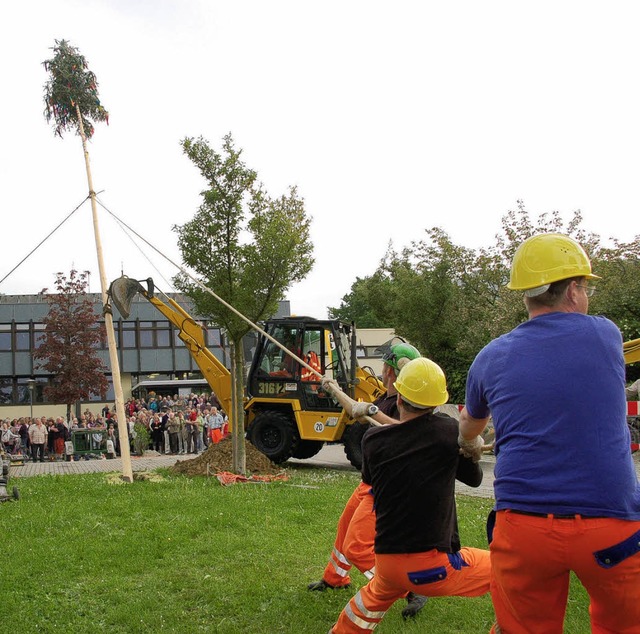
(471, 448)
(359, 409)
(330, 385)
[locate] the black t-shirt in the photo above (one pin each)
(388, 404)
(412, 468)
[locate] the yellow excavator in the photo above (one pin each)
(287, 414)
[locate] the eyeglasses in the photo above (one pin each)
(588, 290)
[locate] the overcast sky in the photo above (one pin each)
(389, 117)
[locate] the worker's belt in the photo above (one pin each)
(558, 516)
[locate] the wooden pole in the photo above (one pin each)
(123, 424)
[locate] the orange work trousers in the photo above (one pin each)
(532, 558)
(353, 545)
(431, 574)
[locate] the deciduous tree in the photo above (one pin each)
(244, 245)
(450, 300)
(68, 347)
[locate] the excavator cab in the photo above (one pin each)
(288, 414)
(275, 374)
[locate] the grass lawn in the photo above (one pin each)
(188, 555)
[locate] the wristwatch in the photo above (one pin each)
(373, 410)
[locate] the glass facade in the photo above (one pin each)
(20, 339)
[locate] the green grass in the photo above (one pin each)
(188, 555)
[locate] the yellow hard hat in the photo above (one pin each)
(422, 383)
(546, 258)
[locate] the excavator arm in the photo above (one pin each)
(124, 289)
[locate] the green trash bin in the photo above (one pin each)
(90, 441)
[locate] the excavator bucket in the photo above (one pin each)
(124, 289)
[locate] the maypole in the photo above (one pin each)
(71, 100)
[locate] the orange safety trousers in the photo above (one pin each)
(532, 558)
(353, 545)
(431, 574)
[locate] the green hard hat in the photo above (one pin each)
(400, 351)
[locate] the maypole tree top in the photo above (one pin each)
(71, 87)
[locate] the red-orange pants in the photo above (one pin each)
(432, 574)
(353, 545)
(531, 562)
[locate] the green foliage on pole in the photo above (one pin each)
(71, 86)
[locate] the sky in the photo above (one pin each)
(389, 117)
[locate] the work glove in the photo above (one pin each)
(330, 385)
(359, 409)
(471, 448)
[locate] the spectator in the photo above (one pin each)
(157, 433)
(206, 428)
(216, 424)
(198, 424)
(24, 435)
(173, 427)
(60, 435)
(182, 438)
(189, 436)
(9, 438)
(38, 438)
(52, 433)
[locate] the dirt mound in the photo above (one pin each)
(219, 458)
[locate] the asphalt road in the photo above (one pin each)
(333, 456)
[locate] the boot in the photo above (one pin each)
(322, 585)
(415, 603)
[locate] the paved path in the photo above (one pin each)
(149, 461)
(330, 457)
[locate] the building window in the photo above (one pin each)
(23, 338)
(213, 337)
(146, 334)
(38, 335)
(5, 336)
(128, 334)
(155, 334)
(163, 337)
(6, 391)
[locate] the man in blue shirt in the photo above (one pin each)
(567, 495)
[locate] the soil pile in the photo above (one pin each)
(219, 458)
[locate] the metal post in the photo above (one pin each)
(31, 384)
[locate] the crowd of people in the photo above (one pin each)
(173, 425)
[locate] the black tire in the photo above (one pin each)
(352, 439)
(275, 435)
(307, 449)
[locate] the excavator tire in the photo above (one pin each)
(307, 449)
(352, 440)
(275, 435)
